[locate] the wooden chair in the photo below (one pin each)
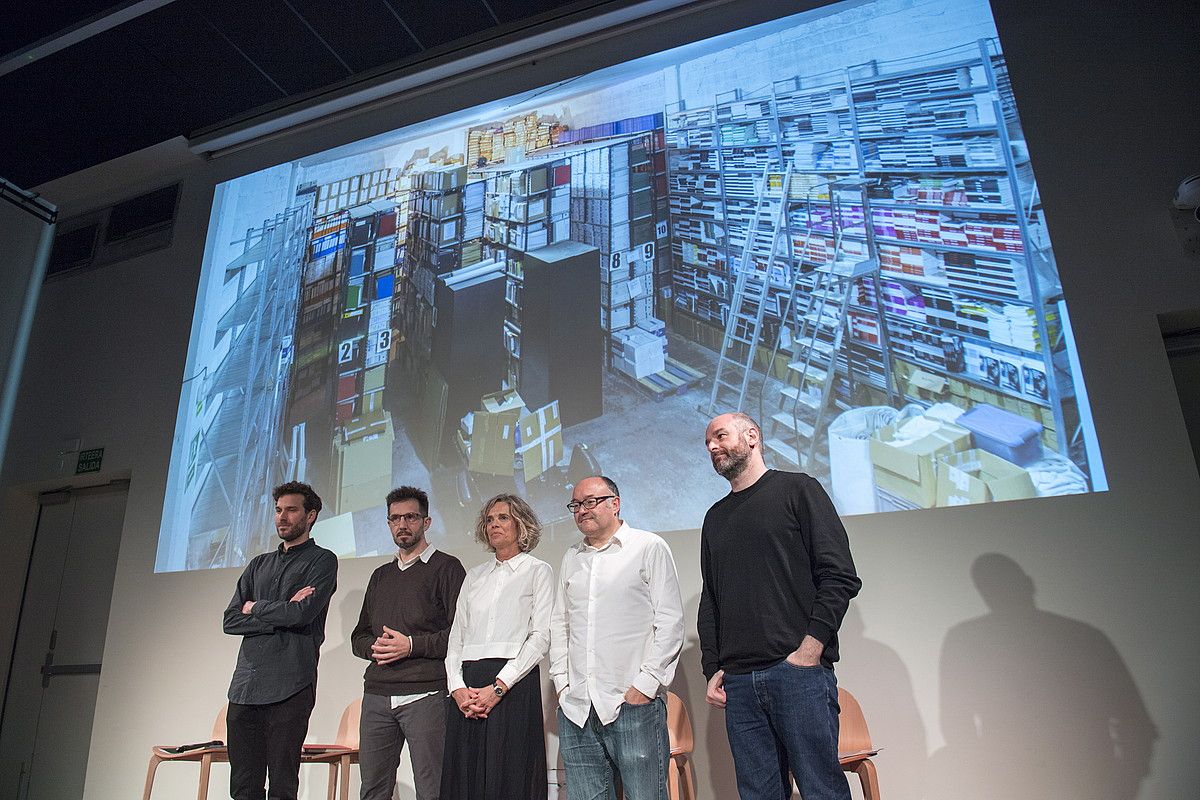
(854, 745)
(680, 783)
(339, 755)
(205, 756)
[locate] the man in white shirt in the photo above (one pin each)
(615, 638)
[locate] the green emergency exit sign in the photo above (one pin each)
(89, 460)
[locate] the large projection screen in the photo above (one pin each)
(829, 221)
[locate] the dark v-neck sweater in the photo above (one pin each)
(417, 601)
(776, 565)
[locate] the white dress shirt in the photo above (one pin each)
(618, 622)
(503, 611)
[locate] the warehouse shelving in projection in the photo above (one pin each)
(829, 221)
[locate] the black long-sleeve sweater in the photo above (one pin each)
(776, 565)
(418, 601)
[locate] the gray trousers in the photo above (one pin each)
(382, 732)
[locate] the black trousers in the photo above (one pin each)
(266, 740)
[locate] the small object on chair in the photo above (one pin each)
(183, 748)
(205, 754)
(322, 749)
(340, 754)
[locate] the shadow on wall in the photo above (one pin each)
(338, 659)
(875, 675)
(349, 607)
(1035, 704)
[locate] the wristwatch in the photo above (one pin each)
(498, 689)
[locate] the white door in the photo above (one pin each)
(51, 698)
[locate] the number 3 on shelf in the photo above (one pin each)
(383, 340)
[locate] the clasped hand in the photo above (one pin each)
(390, 647)
(477, 703)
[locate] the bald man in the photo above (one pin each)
(778, 578)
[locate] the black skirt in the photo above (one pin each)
(502, 757)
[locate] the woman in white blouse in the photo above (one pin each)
(495, 738)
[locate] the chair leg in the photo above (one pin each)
(345, 776)
(673, 779)
(869, 779)
(154, 762)
(331, 793)
(205, 768)
(689, 780)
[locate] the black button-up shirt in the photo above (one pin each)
(281, 640)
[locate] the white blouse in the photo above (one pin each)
(503, 611)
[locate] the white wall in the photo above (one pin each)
(1108, 106)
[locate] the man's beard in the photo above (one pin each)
(733, 463)
(407, 540)
(292, 532)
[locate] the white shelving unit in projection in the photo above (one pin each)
(967, 283)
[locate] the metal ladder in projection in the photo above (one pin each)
(816, 326)
(747, 304)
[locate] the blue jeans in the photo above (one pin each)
(632, 748)
(781, 720)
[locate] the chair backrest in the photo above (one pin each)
(679, 725)
(347, 734)
(219, 728)
(853, 736)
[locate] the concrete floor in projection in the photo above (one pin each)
(653, 449)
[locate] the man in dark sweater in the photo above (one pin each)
(279, 609)
(778, 578)
(402, 631)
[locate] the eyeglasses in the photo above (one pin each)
(411, 519)
(589, 503)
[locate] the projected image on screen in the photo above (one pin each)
(829, 221)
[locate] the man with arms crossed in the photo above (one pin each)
(278, 608)
(402, 631)
(778, 578)
(615, 638)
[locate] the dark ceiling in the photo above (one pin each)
(190, 64)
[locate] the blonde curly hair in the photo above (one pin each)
(529, 530)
